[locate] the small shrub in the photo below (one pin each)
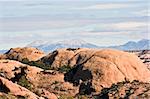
(25, 61)
(7, 96)
(36, 63)
(57, 88)
(24, 82)
(21, 97)
(64, 69)
(55, 82)
(65, 97)
(39, 64)
(84, 97)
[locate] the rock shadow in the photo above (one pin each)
(18, 75)
(81, 78)
(3, 88)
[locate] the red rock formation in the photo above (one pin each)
(100, 67)
(32, 54)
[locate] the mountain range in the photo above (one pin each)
(131, 45)
(47, 46)
(77, 43)
(74, 43)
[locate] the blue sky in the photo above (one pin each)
(101, 22)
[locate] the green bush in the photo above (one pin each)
(7, 96)
(64, 69)
(25, 61)
(36, 63)
(65, 97)
(84, 97)
(40, 65)
(55, 82)
(24, 82)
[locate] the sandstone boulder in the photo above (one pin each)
(87, 71)
(10, 68)
(7, 86)
(94, 69)
(63, 57)
(20, 54)
(26, 76)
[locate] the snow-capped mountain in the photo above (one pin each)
(131, 45)
(36, 43)
(74, 43)
(77, 43)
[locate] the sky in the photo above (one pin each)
(101, 22)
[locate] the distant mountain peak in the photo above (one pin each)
(36, 43)
(69, 43)
(132, 45)
(47, 46)
(73, 42)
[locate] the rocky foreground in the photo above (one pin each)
(73, 74)
(144, 55)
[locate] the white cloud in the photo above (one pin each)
(129, 25)
(117, 26)
(100, 33)
(145, 12)
(105, 6)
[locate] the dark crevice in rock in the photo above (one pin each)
(86, 88)
(69, 61)
(72, 49)
(3, 88)
(69, 75)
(50, 59)
(86, 75)
(81, 78)
(19, 75)
(16, 68)
(104, 94)
(21, 97)
(128, 93)
(20, 78)
(79, 59)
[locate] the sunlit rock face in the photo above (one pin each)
(99, 68)
(32, 54)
